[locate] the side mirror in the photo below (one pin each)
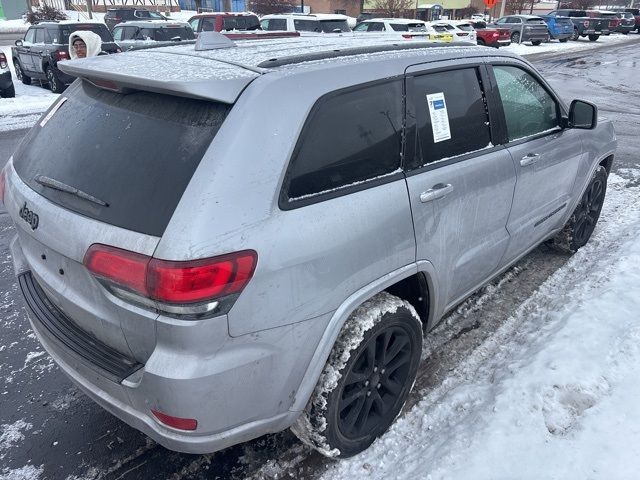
(583, 115)
(18, 43)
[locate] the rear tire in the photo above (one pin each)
(575, 35)
(481, 42)
(536, 42)
(515, 37)
(563, 40)
(582, 223)
(593, 38)
(55, 85)
(366, 380)
(8, 92)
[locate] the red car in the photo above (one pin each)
(224, 21)
(491, 37)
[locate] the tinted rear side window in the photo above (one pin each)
(329, 26)
(136, 152)
(348, 139)
(450, 100)
(241, 23)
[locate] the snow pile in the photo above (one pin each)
(28, 472)
(14, 26)
(12, 435)
(553, 393)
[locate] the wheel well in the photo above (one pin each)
(415, 290)
(606, 163)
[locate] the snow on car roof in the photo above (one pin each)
(183, 70)
(402, 21)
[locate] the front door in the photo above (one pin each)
(460, 184)
(545, 156)
(24, 52)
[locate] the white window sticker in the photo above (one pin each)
(53, 111)
(439, 117)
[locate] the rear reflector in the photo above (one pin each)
(62, 55)
(176, 422)
(172, 282)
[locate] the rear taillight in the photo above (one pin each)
(3, 61)
(2, 186)
(61, 55)
(196, 287)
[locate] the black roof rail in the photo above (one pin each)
(346, 52)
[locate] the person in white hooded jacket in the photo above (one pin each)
(83, 43)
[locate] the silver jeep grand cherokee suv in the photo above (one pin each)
(219, 244)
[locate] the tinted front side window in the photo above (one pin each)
(166, 34)
(349, 138)
(528, 107)
(306, 25)
(136, 152)
(451, 115)
(329, 26)
(274, 24)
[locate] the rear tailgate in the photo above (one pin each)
(103, 168)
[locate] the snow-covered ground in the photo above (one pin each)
(553, 394)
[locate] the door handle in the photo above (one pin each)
(529, 159)
(437, 191)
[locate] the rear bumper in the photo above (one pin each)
(625, 28)
(237, 388)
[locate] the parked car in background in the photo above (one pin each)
(406, 28)
(135, 35)
(610, 20)
(525, 28)
(194, 275)
(627, 22)
(583, 24)
(114, 16)
(455, 28)
(492, 37)
(294, 22)
(224, 21)
(560, 28)
(46, 44)
(636, 14)
(7, 90)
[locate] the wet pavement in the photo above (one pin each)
(50, 430)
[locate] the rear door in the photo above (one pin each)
(460, 181)
(545, 156)
(38, 50)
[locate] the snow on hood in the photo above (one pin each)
(92, 40)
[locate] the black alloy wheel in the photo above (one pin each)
(588, 211)
(374, 383)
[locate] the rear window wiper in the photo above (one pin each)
(63, 187)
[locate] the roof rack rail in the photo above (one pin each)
(309, 57)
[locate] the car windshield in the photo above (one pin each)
(169, 33)
(247, 22)
(97, 28)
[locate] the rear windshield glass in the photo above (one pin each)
(97, 28)
(248, 22)
(166, 34)
(466, 27)
(329, 26)
(136, 152)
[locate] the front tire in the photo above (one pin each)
(366, 380)
(575, 35)
(20, 73)
(593, 38)
(582, 223)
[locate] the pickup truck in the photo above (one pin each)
(636, 14)
(583, 24)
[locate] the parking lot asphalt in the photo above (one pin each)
(50, 430)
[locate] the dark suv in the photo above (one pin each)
(115, 16)
(36, 56)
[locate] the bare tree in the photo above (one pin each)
(393, 8)
(264, 7)
(516, 6)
